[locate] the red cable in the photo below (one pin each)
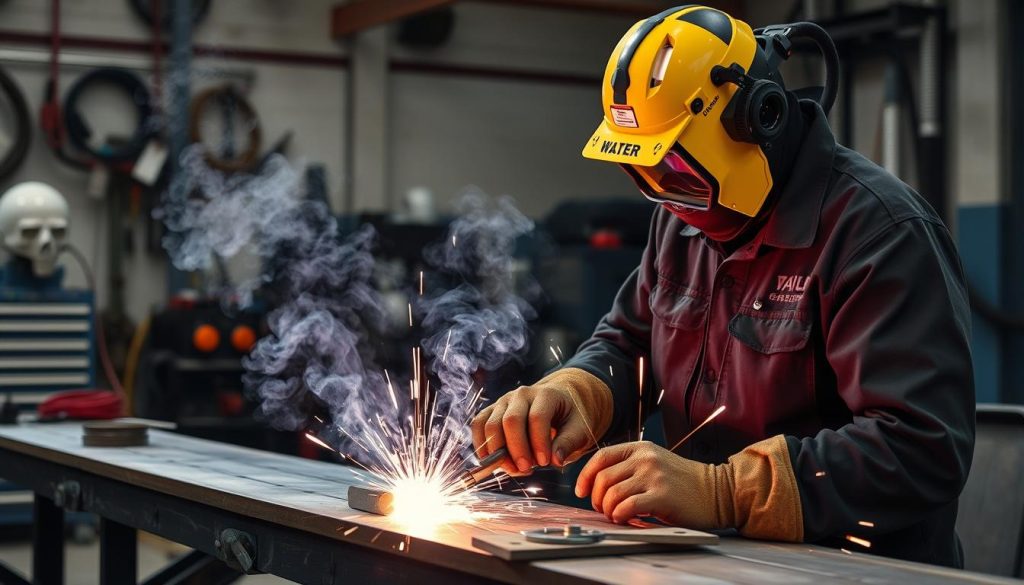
(81, 404)
(55, 41)
(89, 404)
(49, 113)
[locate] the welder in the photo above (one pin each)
(815, 296)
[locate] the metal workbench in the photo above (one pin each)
(288, 516)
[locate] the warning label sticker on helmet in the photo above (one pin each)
(624, 116)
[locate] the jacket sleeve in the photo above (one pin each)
(621, 338)
(896, 333)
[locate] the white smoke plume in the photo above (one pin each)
(317, 356)
(481, 324)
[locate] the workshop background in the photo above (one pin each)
(392, 122)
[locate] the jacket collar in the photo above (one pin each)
(794, 222)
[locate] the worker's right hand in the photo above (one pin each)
(552, 422)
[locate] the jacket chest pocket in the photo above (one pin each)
(772, 333)
(677, 334)
(678, 307)
(776, 350)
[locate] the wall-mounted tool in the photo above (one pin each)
(84, 138)
(232, 102)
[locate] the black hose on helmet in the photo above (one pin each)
(827, 47)
(813, 32)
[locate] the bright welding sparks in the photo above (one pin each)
(447, 345)
(660, 396)
(421, 283)
(866, 524)
(313, 438)
(554, 353)
(858, 540)
(410, 314)
(640, 374)
(640, 404)
(710, 418)
(820, 474)
(421, 463)
(391, 390)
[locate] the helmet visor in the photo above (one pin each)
(677, 179)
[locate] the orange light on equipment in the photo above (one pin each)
(206, 338)
(243, 338)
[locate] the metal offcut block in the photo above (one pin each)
(370, 500)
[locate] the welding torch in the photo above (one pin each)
(482, 472)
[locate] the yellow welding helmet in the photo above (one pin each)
(674, 127)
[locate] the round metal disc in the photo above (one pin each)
(563, 535)
(114, 434)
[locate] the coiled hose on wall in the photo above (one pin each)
(12, 157)
(80, 134)
(229, 96)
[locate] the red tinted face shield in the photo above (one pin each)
(676, 179)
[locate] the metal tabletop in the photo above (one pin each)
(272, 513)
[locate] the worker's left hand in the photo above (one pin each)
(642, 479)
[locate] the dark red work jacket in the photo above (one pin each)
(843, 324)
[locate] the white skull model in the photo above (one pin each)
(34, 224)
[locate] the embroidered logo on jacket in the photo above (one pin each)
(789, 289)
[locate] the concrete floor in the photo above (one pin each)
(82, 561)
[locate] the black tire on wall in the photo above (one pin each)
(12, 158)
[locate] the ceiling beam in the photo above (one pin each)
(630, 8)
(358, 15)
(635, 9)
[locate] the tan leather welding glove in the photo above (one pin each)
(755, 492)
(551, 422)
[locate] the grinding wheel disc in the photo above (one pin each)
(114, 434)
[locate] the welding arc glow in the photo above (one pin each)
(421, 463)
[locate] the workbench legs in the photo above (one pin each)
(118, 553)
(47, 542)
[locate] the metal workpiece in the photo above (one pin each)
(370, 500)
(568, 534)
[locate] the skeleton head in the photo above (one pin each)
(34, 224)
